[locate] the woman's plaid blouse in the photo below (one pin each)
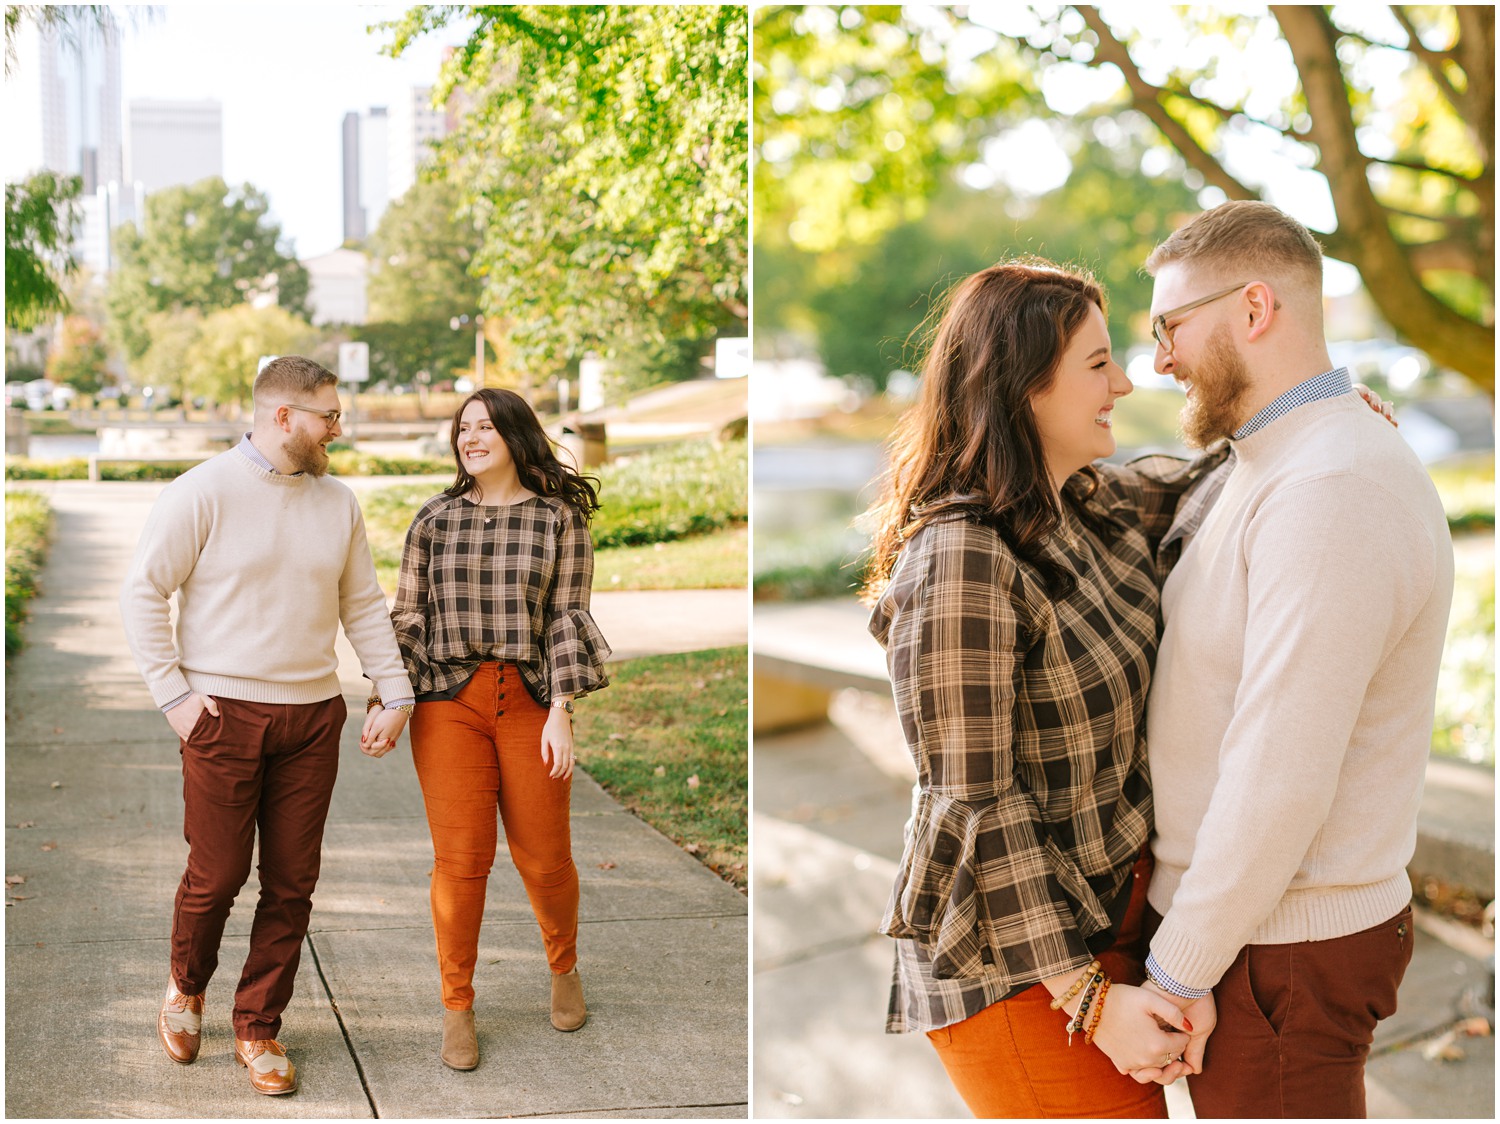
(1026, 717)
(509, 584)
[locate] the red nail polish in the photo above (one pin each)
(1187, 1026)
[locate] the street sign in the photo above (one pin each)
(354, 362)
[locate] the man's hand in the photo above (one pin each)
(381, 730)
(184, 716)
(1201, 1016)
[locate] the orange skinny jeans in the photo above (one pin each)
(1013, 1059)
(477, 754)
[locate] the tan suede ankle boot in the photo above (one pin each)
(568, 1011)
(460, 1044)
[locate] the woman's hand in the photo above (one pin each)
(1378, 404)
(557, 744)
(381, 730)
(1202, 1016)
(1130, 1030)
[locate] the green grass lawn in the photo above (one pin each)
(668, 739)
(28, 531)
(718, 560)
(674, 517)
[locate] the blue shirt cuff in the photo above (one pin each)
(1167, 983)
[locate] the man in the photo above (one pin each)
(267, 555)
(1290, 716)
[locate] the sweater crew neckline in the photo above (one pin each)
(270, 476)
(1285, 428)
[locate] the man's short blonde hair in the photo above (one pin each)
(1243, 237)
(290, 376)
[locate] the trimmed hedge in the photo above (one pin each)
(341, 462)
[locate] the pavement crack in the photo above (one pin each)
(333, 1005)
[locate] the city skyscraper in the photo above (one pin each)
(414, 127)
(173, 142)
(366, 171)
(63, 116)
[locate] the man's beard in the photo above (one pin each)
(306, 454)
(1219, 384)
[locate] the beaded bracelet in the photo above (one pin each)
(1090, 996)
(1077, 985)
(1088, 1038)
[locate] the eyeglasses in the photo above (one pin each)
(1159, 322)
(330, 417)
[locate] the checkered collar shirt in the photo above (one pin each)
(1330, 384)
(1025, 717)
(509, 583)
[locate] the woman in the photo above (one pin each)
(1015, 591)
(492, 615)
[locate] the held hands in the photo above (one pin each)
(184, 716)
(557, 744)
(1201, 1015)
(1136, 1031)
(382, 728)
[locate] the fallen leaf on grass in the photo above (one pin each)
(692, 781)
(699, 684)
(606, 866)
(693, 849)
(660, 771)
(616, 737)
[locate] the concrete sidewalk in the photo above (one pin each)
(830, 801)
(93, 825)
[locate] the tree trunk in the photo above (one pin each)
(1450, 338)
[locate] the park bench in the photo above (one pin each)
(806, 652)
(96, 459)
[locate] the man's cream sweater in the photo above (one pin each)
(1290, 716)
(264, 566)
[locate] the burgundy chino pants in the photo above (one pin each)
(256, 766)
(1296, 1022)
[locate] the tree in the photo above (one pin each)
(603, 157)
(420, 256)
(206, 247)
(1106, 219)
(79, 356)
(419, 280)
(39, 216)
(222, 363)
(168, 360)
(1395, 114)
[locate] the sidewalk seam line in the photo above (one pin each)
(344, 1030)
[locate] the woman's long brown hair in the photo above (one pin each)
(970, 443)
(537, 464)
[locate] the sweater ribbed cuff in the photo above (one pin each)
(170, 687)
